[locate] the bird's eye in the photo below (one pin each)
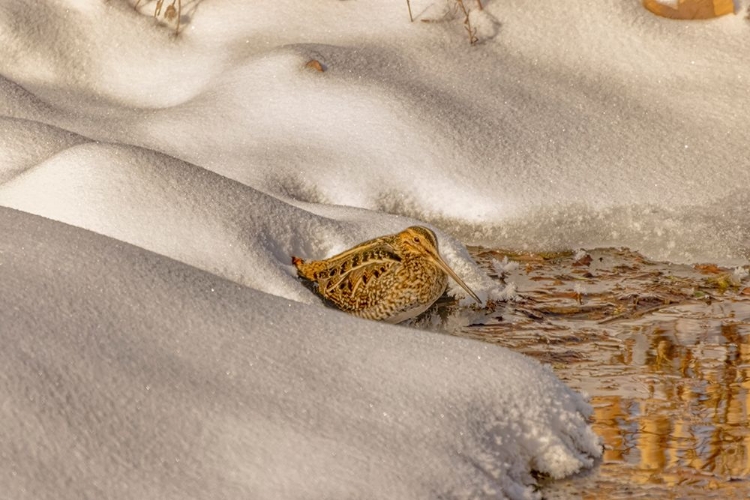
(416, 239)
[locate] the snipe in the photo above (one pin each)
(391, 278)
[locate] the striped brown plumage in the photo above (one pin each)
(391, 278)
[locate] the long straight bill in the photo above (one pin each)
(440, 262)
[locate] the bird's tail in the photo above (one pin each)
(301, 266)
(308, 270)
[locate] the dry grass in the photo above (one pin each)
(459, 7)
(172, 13)
(472, 32)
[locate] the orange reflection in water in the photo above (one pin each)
(682, 416)
(662, 350)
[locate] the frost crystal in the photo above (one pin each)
(511, 292)
(504, 267)
(740, 273)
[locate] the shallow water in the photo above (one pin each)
(662, 350)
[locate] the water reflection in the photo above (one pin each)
(685, 417)
(670, 387)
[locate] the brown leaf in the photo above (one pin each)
(745, 291)
(170, 13)
(707, 268)
(315, 64)
(691, 9)
(583, 261)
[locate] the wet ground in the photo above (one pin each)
(662, 350)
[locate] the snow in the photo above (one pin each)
(127, 374)
(635, 139)
(154, 324)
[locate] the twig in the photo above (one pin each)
(634, 314)
(467, 24)
(408, 6)
(179, 15)
(172, 12)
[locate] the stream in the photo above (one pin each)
(661, 350)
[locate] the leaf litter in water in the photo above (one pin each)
(663, 351)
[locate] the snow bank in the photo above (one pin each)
(568, 126)
(130, 375)
(203, 219)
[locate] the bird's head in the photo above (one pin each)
(422, 242)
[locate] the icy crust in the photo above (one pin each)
(130, 375)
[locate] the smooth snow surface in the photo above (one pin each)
(130, 375)
(169, 352)
(569, 125)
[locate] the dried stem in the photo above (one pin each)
(467, 24)
(173, 10)
(179, 15)
(408, 6)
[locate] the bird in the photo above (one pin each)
(391, 278)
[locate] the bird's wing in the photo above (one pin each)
(353, 269)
